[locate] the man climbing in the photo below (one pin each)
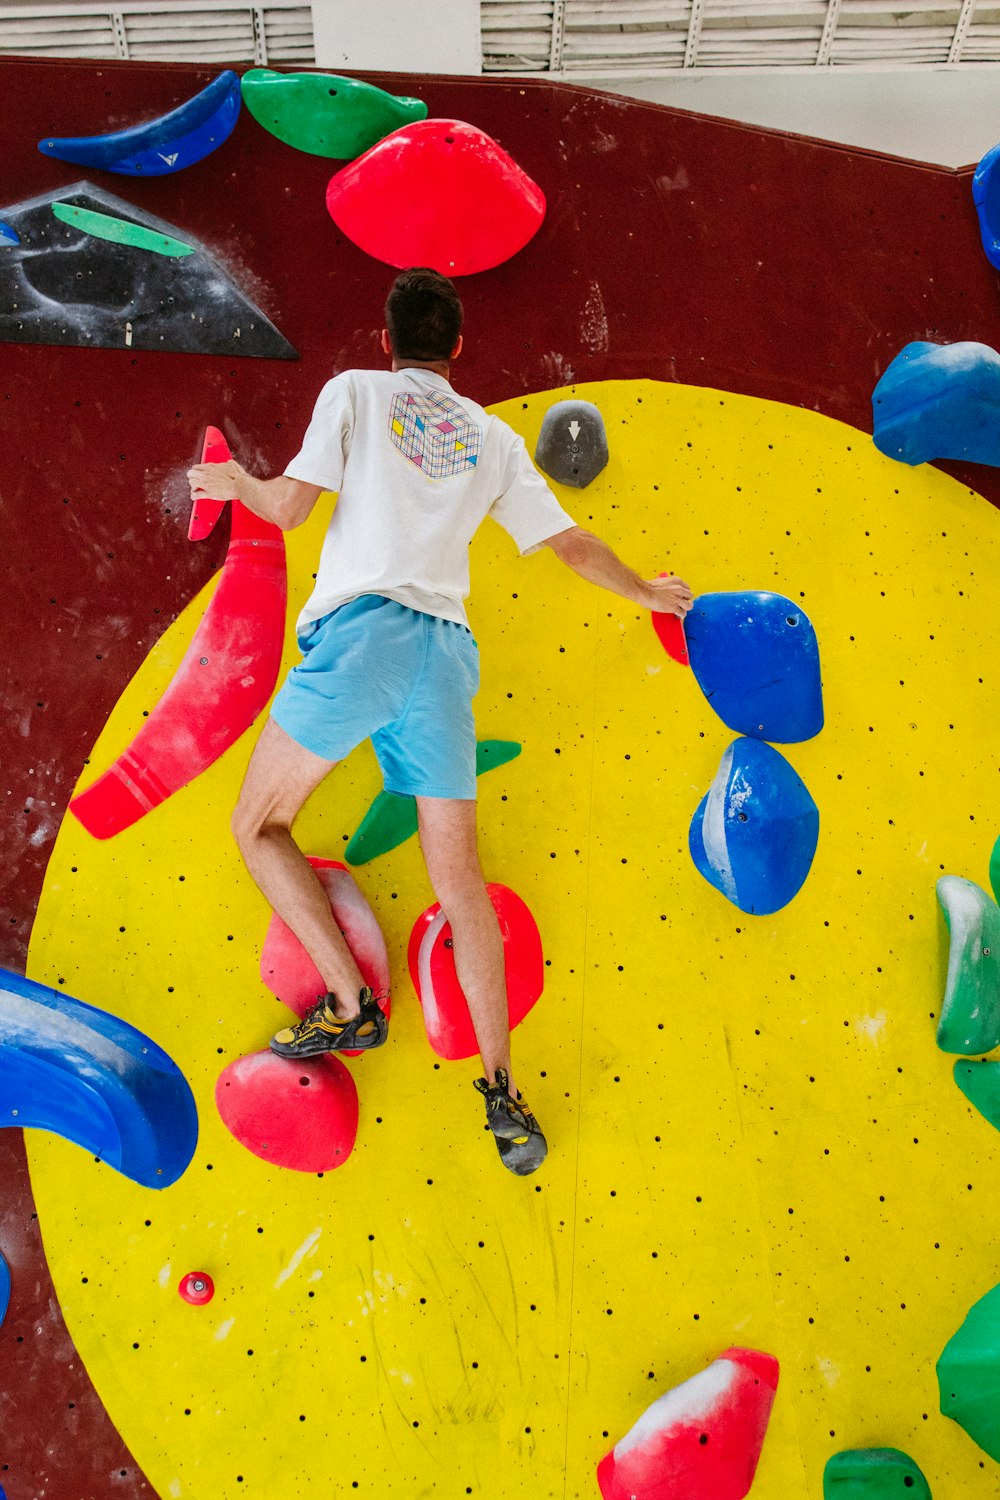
(388, 655)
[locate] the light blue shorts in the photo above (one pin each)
(376, 669)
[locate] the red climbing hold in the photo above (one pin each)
(700, 1441)
(670, 629)
(197, 1287)
(437, 193)
(432, 970)
(302, 1115)
(224, 681)
(290, 973)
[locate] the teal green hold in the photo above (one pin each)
(120, 231)
(873, 1474)
(970, 1010)
(324, 114)
(968, 1375)
(392, 819)
(980, 1083)
(995, 869)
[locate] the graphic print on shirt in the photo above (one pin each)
(435, 433)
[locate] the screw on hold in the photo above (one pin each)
(986, 953)
(449, 943)
(204, 661)
(197, 1288)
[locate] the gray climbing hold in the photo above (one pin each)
(572, 446)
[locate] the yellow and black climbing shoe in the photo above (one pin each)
(322, 1030)
(516, 1131)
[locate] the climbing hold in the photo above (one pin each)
(432, 971)
(324, 114)
(670, 633)
(980, 1083)
(392, 819)
(970, 1010)
(939, 401)
(94, 1079)
(4, 1288)
(572, 445)
(302, 1115)
(120, 231)
(437, 193)
(205, 513)
(65, 284)
(995, 870)
(167, 144)
(289, 972)
(700, 1441)
(8, 236)
(197, 1287)
(756, 659)
(879, 1473)
(968, 1374)
(224, 681)
(986, 197)
(754, 833)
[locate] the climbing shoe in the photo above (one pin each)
(322, 1030)
(516, 1131)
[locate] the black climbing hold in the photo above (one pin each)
(572, 446)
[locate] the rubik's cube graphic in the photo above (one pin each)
(435, 433)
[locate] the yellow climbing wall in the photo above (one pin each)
(754, 1139)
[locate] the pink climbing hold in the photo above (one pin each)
(670, 630)
(302, 1115)
(289, 972)
(432, 970)
(197, 1287)
(437, 193)
(223, 682)
(700, 1441)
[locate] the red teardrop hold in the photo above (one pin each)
(197, 1287)
(700, 1441)
(302, 1115)
(437, 193)
(432, 970)
(670, 629)
(289, 972)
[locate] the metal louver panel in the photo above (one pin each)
(575, 39)
(224, 32)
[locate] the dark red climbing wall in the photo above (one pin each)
(676, 247)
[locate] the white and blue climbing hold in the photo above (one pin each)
(4, 1288)
(756, 659)
(754, 833)
(168, 144)
(939, 401)
(92, 1078)
(8, 235)
(986, 197)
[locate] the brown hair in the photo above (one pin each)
(423, 314)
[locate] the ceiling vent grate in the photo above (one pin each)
(228, 31)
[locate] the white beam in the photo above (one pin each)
(961, 30)
(397, 36)
(694, 33)
(826, 40)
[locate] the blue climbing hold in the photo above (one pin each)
(94, 1079)
(939, 401)
(754, 833)
(4, 1288)
(756, 659)
(168, 144)
(8, 235)
(986, 197)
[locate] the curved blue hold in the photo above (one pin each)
(86, 1075)
(986, 197)
(939, 401)
(756, 659)
(754, 833)
(168, 144)
(4, 1288)
(8, 235)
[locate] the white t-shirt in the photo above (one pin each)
(417, 468)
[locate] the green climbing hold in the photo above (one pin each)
(392, 819)
(120, 231)
(871, 1473)
(324, 114)
(980, 1083)
(968, 1374)
(995, 869)
(970, 1010)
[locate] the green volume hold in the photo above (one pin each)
(970, 1010)
(326, 115)
(873, 1474)
(968, 1374)
(980, 1083)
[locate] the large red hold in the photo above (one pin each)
(223, 682)
(432, 970)
(289, 972)
(700, 1441)
(302, 1115)
(437, 193)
